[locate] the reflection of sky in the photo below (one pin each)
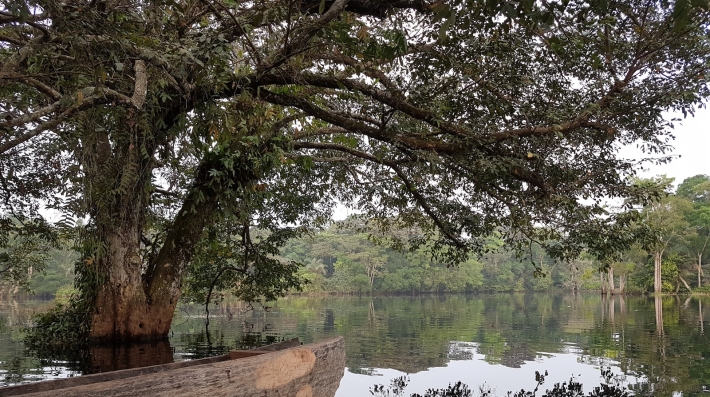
(29, 375)
(476, 372)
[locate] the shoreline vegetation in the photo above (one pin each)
(609, 387)
(350, 257)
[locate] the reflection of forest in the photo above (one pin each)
(661, 341)
(15, 313)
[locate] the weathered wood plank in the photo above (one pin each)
(312, 370)
(238, 354)
(278, 345)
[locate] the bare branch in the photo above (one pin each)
(10, 40)
(240, 30)
(358, 127)
(567, 126)
(382, 96)
(418, 197)
(302, 34)
(32, 82)
(319, 132)
(422, 201)
(338, 147)
(103, 96)
(30, 117)
(166, 192)
(141, 87)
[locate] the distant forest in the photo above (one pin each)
(343, 258)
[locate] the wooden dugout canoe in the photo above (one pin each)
(312, 370)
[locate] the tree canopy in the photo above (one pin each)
(172, 125)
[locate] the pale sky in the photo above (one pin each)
(692, 144)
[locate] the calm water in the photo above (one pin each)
(657, 346)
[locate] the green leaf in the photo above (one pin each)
(445, 27)
(24, 12)
(256, 20)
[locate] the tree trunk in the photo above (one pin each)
(122, 310)
(610, 274)
(133, 303)
(657, 282)
(136, 300)
(685, 283)
(136, 305)
(622, 284)
(116, 178)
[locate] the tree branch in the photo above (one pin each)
(418, 197)
(301, 35)
(103, 96)
(141, 86)
(357, 127)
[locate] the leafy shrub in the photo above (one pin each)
(572, 388)
(64, 294)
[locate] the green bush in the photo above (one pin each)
(62, 327)
(64, 294)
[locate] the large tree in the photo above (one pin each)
(697, 189)
(169, 125)
(667, 218)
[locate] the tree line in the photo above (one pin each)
(680, 225)
(346, 258)
(349, 257)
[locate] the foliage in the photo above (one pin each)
(38, 261)
(62, 328)
(163, 122)
(335, 261)
(697, 190)
(64, 294)
(357, 264)
(565, 389)
(669, 273)
(58, 271)
(251, 272)
(682, 237)
(22, 255)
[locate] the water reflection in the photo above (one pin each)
(658, 344)
(700, 317)
(112, 358)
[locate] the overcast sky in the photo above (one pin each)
(692, 144)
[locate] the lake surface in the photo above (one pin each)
(654, 346)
